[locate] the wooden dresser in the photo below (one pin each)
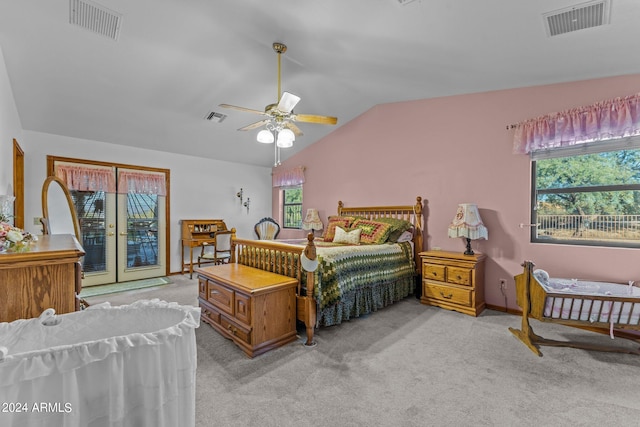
(47, 276)
(195, 233)
(453, 281)
(254, 308)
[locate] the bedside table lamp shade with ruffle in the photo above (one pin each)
(467, 223)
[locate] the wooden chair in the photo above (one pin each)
(267, 229)
(220, 251)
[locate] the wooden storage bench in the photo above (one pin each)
(254, 308)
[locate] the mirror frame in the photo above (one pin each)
(45, 206)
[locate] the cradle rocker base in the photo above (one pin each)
(534, 341)
(531, 297)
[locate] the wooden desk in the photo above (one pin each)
(48, 276)
(256, 309)
(196, 233)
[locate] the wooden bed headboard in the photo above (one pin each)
(411, 213)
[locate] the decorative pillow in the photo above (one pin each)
(399, 226)
(334, 221)
(343, 236)
(373, 232)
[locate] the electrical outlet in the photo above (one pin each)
(503, 284)
(36, 220)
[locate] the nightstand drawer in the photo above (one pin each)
(448, 294)
(221, 297)
(459, 276)
(434, 272)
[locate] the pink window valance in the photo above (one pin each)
(141, 183)
(614, 118)
(81, 178)
(288, 178)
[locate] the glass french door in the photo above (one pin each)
(123, 235)
(140, 225)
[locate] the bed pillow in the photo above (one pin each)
(373, 232)
(351, 237)
(334, 221)
(399, 226)
(406, 236)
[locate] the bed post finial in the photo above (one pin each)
(340, 206)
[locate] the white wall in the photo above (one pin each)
(10, 129)
(200, 188)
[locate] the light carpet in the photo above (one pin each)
(409, 365)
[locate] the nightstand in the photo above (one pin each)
(453, 281)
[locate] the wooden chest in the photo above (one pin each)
(254, 308)
(453, 281)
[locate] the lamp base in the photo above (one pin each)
(469, 251)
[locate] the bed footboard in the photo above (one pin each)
(284, 259)
(593, 313)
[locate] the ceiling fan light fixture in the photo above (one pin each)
(265, 136)
(285, 138)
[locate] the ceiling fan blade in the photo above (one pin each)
(255, 125)
(296, 130)
(287, 102)
(311, 118)
(248, 110)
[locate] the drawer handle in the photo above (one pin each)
(446, 296)
(213, 292)
(232, 329)
(434, 273)
(459, 277)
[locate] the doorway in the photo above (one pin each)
(123, 216)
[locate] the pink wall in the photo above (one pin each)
(452, 150)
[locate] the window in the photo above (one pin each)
(587, 194)
(292, 207)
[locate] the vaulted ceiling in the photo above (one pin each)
(173, 62)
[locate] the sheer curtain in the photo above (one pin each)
(141, 183)
(288, 178)
(610, 119)
(82, 178)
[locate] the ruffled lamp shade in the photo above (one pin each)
(312, 220)
(467, 223)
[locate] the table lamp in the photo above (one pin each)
(312, 220)
(467, 223)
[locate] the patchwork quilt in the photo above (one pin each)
(346, 270)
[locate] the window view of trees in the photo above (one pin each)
(292, 207)
(591, 199)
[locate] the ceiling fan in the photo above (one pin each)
(280, 116)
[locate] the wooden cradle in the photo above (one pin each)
(598, 313)
(285, 259)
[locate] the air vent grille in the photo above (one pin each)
(578, 17)
(94, 17)
(215, 117)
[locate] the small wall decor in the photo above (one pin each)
(246, 204)
(239, 195)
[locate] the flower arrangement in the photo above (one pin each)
(14, 239)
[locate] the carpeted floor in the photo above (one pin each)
(409, 365)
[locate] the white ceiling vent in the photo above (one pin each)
(578, 17)
(215, 117)
(95, 18)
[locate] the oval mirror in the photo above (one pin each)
(58, 212)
